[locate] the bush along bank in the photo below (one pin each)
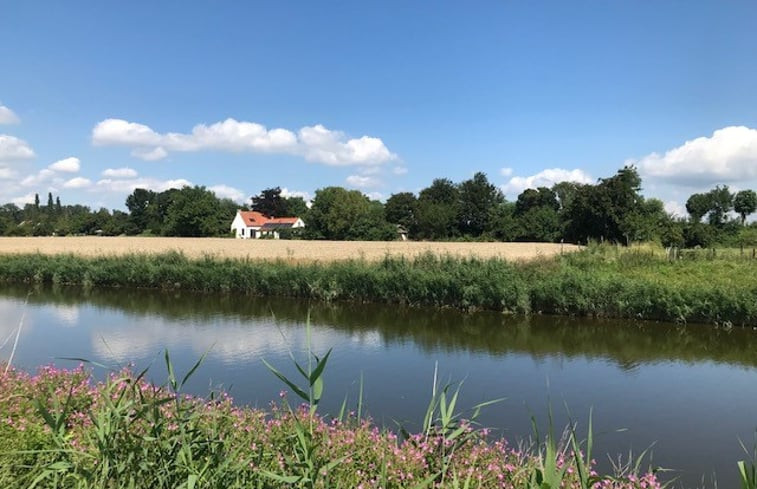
(599, 281)
(61, 429)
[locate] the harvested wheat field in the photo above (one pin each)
(296, 251)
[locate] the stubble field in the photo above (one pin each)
(296, 251)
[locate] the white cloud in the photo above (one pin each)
(154, 154)
(119, 173)
(50, 175)
(128, 185)
(399, 170)
(506, 172)
(545, 178)
(729, 155)
(375, 196)
(314, 143)
(286, 193)
(112, 132)
(7, 173)
(67, 165)
(321, 145)
(24, 199)
(226, 192)
(14, 149)
(363, 181)
(78, 182)
(370, 170)
(7, 116)
(44, 176)
(675, 208)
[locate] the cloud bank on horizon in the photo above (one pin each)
(545, 178)
(314, 143)
(727, 156)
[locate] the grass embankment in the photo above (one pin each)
(599, 281)
(59, 429)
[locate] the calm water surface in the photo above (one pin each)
(691, 391)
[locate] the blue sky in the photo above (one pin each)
(97, 98)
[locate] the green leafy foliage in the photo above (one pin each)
(745, 203)
(401, 208)
(270, 203)
(477, 197)
(196, 211)
(611, 210)
(340, 214)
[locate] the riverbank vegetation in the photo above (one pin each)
(626, 344)
(62, 429)
(601, 281)
(610, 210)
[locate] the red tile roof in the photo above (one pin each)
(284, 220)
(255, 219)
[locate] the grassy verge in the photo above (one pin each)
(600, 281)
(61, 429)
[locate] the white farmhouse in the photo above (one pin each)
(254, 225)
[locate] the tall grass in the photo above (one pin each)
(600, 281)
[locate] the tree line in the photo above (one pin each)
(612, 209)
(189, 211)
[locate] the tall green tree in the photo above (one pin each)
(10, 218)
(721, 202)
(745, 203)
(540, 223)
(196, 211)
(503, 225)
(341, 214)
(599, 211)
(270, 203)
(437, 210)
(536, 214)
(296, 207)
(157, 211)
(138, 203)
(400, 209)
(532, 198)
(698, 205)
(477, 199)
(646, 222)
(117, 224)
(672, 233)
(565, 191)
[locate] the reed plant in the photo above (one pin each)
(601, 281)
(748, 467)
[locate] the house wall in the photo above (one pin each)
(241, 231)
(238, 226)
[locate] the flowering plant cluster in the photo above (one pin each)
(61, 428)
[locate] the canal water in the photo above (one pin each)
(687, 391)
